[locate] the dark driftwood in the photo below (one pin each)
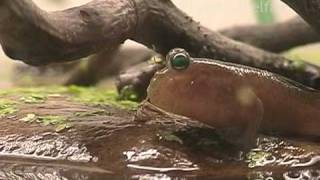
(307, 9)
(97, 66)
(107, 64)
(63, 35)
(276, 37)
(102, 24)
(181, 31)
(137, 78)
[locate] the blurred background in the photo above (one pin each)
(215, 14)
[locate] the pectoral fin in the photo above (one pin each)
(245, 136)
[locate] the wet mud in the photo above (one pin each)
(103, 142)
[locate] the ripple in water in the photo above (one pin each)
(23, 170)
(303, 174)
(47, 146)
(274, 152)
(147, 159)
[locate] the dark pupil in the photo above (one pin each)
(180, 62)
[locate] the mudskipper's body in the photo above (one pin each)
(235, 99)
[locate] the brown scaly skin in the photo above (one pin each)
(237, 100)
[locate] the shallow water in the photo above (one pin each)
(110, 145)
(135, 154)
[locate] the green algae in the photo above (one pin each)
(128, 93)
(100, 97)
(198, 139)
(59, 122)
(34, 99)
(169, 137)
(91, 95)
(93, 113)
(7, 107)
(29, 91)
(257, 158)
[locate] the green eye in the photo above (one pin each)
(180, 61)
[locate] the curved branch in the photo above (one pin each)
(137, 79)
(102, 24)
(38, 37)
(276, 37)
(307, 9)
(107, 64)
(167, 27)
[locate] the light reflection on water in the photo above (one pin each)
(52, 156)
(135, 155)
(151, 177)
(308, 174)
(275, 152)
(22, 170)
(47, 146)
(303, 174)
(142, 157)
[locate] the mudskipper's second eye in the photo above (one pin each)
(180, 61)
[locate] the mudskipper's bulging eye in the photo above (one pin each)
(179, 61)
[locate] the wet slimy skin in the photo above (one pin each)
(236, 100)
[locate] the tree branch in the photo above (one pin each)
(168, 27)
(38, 37)
(101, 24)
(137, 79)
(276, 37)
(108, 64)
(307, 9)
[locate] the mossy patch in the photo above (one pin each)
(34, 99)
(93, 113)
(98, 96)
(11, 99)
(128, 93)
(44, 91)
(90, 95)
(59, 122)
(169, 137)
(7, 107)
(257, 158)
(198, 139)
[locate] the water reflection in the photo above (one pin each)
(18, 170)
(46, 146)
(169, 169)
(151, 177)
(54, 156)
(302, 174)
(261, 175)
(276, 152)
(148, 160)
(160, 177)
(135, 155)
